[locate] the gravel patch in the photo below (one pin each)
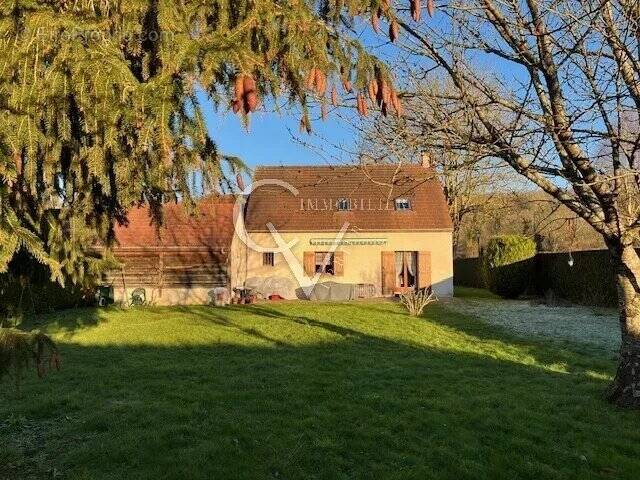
(575, 324)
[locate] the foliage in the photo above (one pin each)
(100, 103)
(26, 287)
(313, 390)
(589, 281)
(19, 349)
(415, 301)
(467, 272)
(507, 263)
(568, 123)
(552, 225)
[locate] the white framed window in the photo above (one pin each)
(403, 204)
(342, 204)
(325, 263)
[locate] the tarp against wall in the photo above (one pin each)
(333, 291)
(265, 286)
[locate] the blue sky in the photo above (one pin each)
(269, 139)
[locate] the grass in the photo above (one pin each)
(311, 391)
(468, 292)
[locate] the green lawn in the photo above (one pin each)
(307, 390)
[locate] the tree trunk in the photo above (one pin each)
(625, 389)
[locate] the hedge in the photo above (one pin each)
(507, 263)
(589, 282)
(467, 272)
(27, 288)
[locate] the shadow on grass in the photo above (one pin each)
(361, 407)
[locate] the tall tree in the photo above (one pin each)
(565, 77)
(99, 103)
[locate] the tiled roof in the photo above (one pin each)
(212, 226)
(371, 191)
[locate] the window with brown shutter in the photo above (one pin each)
(338, 264)
(388, 272)
(268, 259)
(309, 263)
(424, 269)
(324, 263)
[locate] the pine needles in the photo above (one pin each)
(101, 112)
(19, 350)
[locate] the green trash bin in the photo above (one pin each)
(104, 295)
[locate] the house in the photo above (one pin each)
(364, 230)
(180, 262)
(383, 228)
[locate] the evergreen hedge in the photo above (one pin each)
(590, 281)
(467, 272)
(27, 288)
(507, 263)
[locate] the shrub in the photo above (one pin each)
(19, 349)
(507, 264)
(590, 280)
(416, 300)
(467, 272)
(27, 288)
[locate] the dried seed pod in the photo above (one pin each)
(236, 105)
(334, 96)
(393, 31)
(416, 10)
(363, 109)
(320, 82)
(305, 124)
(249, 84)
(250, 102)
(310, 80)
(346, 84)
(365, 106)
(394, 99)
(385, 92)
(323, 111)
(373, 90)
(431, 7)
(239, 87)
(384, 110)
(375, 20)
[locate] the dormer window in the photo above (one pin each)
(342, 205)
(403, 204)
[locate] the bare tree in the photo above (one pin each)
(565, 77)
(469, 173)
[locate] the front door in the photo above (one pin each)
(406, 264)
(399, 272)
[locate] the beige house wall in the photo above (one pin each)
(166, 296)
(362, 263)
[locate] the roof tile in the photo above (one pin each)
(371, 190)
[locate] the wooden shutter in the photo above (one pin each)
(338, 263)
(424, 269)
(388, 272)
(309, 263)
